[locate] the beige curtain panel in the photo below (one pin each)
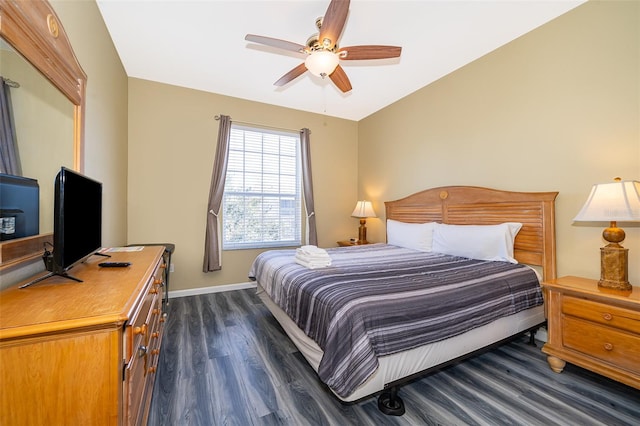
(307, 186)
(212, 247)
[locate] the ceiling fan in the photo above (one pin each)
(323, 53)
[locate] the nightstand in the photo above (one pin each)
(595, 328)
(348, 243)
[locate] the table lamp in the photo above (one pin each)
(618, 201)
(363, 210)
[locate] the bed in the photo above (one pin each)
(359, 275)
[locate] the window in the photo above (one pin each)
(261, 205)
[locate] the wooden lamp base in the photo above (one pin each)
(614, 267)
(362, 232)
(614, 260)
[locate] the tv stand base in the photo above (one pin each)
(49, 275)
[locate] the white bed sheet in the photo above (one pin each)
(403, 364)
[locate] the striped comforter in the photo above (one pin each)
(380, 299)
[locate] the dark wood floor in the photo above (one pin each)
(226, 361)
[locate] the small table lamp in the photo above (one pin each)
(613, 202)
(363, 210)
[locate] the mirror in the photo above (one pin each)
(43, 148)
(33, 30)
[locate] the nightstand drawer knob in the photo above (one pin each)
(608, 347)
(607, 316)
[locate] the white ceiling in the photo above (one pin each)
(200, 45)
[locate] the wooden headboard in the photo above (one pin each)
(535, 244)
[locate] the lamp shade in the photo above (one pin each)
(321, 62)
(363, 209)
(617, 201)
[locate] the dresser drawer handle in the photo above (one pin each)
(607, 316)
(140, 330)
(608, 347)
(142, 351)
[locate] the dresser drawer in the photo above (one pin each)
(135, 388)
(604, 343)
(156, 323)
(138, 328)
(613, 316)
(145, 331)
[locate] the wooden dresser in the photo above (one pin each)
(595, 328)
(83, 353)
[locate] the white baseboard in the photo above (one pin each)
(213, 289)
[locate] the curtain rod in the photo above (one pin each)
(217, 117)
(11, 83)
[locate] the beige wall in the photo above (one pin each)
(556, 110)
(105, 156)
(105, 124)
(172, 143)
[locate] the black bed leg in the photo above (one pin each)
(532, 337)
(390, 403)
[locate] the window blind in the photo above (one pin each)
(262, 196)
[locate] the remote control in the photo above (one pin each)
(114, 264)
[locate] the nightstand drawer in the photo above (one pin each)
(612, 316)
(607, 344)
(597, 329)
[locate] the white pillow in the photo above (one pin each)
(416, 236)
(483, 242)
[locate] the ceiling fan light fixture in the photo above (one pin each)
(324, 55)
(321, 62)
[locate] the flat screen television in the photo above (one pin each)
(77, 223)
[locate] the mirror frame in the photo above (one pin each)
(34, 30)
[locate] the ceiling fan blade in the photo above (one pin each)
(369, 52)
(275, 42)
(340, 79)
(333, 22)
(291, 75)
